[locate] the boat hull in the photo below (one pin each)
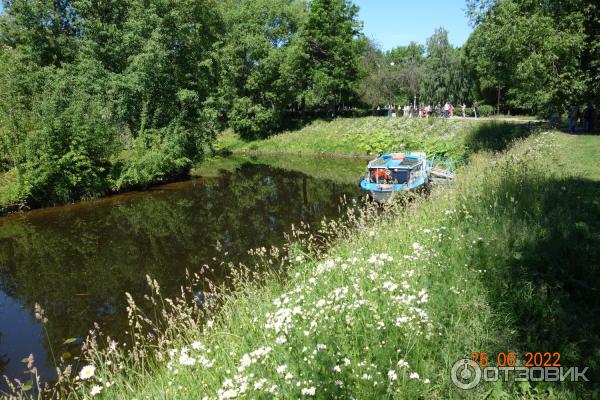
(386, 194)
(382, 197)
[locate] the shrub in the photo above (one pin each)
(486, 110)
(156, 155)
(67, 153)
(252, 120)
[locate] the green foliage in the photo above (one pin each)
(250, 120)
(443, 79)
(485, 110)
(155, 155)
(534, 56)
(118, 96)
(44, 31)
(67, 156)
(282, 58)
(435, 75)
(391, 77)
(329, 62)
(257, 54)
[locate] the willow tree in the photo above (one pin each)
(443, 77)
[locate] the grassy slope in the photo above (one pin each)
(455, 138)
(504, 260)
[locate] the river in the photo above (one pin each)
(77, 261)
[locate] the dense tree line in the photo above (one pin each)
(539, 56)
(523, 55)
(430, 74)
(99, 96)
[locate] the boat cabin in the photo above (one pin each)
(395, 169)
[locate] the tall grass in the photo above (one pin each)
(455, 139)
(399, 295)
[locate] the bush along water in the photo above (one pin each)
(381, 309)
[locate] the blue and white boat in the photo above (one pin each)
(399, 171)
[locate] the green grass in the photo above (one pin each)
(503, 260)
(581, 153)
(448, 138)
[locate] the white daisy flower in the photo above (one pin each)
(96, 389)
(308, 391)
(87, 372)
(392, 376)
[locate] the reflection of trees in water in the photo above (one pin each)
(78, 262)
(4, 360)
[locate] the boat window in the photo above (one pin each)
(380, 175)
(400, 176)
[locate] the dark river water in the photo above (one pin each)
(78, 261)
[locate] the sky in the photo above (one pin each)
(397, 23)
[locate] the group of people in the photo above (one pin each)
(424, 111)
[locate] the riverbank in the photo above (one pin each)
(453, 139)
(347, 138)
(501, 261)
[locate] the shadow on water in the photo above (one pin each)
(498, 135)
(548, 278)
(78, 261)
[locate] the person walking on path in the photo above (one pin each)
(464, 110)
(573, 114)
(446, 110)
(588, 118)
(475, 106)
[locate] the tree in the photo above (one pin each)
(414, 52)
(45, 31)
(258, 77)
(443, 76)
(379, 83)
(536, 55)
(104, 95)
(331, 52)
(407, 64)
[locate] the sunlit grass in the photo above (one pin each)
(453, 139)
(503, 260)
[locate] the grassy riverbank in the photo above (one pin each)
(452, 139)
(448, 138)
(503, 260)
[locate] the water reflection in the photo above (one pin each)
(78, 261)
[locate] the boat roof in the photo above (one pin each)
(398, 160)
